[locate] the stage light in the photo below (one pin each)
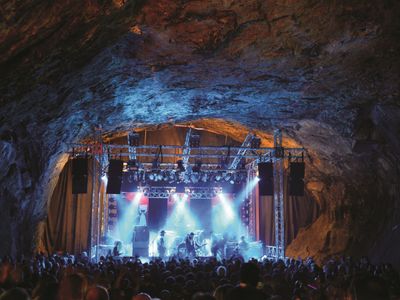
(194, 177)
(131, 165)
(175, 197)
(180, 201)
(257, 178)
(227, 176)
(226, 206)
(218, 177)
(137, 198)
(131, 177)
(218, 190)
(165, 176)
(172, 176)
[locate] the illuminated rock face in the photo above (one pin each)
(326, 73)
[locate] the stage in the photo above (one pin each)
(129, 193)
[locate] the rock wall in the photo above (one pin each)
(326, 72)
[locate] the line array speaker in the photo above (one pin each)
(296, 179)
(114, 176)
(266, 175)
(79, 175)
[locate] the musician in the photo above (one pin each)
(191, 245)
(218, 246)
(161, 245)
(117, 250)
(214, 244)
(243, 246)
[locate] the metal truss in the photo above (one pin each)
(165, 191)
(278, 195)
(241, 152)
(186, 148)
(277, 155)
(210, 152)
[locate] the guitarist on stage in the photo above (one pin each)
(191, 245)
(218, 246)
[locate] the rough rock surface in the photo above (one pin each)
(326, 72)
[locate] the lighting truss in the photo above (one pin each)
(162, 192)
(249, 151)
(241, 152)
(201, 152)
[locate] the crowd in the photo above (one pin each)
(69, 278)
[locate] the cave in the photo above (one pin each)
(325, 73)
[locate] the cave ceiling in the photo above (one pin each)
(265, 64)
(327, 73)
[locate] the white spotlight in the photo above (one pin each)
(104, 178)
(175, 196)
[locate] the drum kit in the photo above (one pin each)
(178, 246)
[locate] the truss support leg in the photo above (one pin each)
(278, 196)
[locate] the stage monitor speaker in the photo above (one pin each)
(140, 249)
(266, 176)
(297, 170)
(79, 175)
(114, 176)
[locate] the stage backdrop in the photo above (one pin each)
(68, 219)
(299, 212)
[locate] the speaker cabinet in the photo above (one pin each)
(140, 249)
(141, 234)
(296, 179)
(266, 175)
(114, 176)
(297, 169)
(79, 175)
(140, 241)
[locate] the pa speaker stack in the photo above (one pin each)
(79, 175)
(140, 242)
(266, 176)
(114, 176)
(296, 179)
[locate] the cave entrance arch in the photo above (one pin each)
(104, 147)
